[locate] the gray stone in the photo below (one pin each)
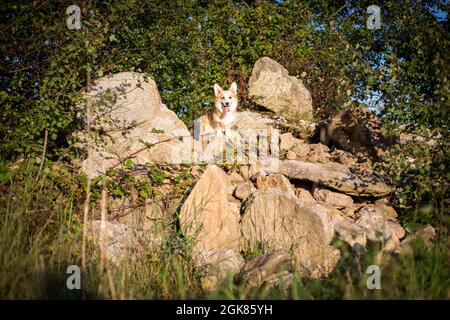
(336, 199)
(378, 227)
(272, 87)
(270, 270)
(207, 217)
(216, 265)
(122, 243)
(244, 190)
(336, 176)
(130, 115)
(277, 220)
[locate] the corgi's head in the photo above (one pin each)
(226, 100)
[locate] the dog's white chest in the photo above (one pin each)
(228, 119)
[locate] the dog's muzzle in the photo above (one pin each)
(226, 107)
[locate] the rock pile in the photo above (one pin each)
(288, 214)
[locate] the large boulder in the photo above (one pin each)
(271, 86)
(277, 220)
(127, 116)
(207, 216)
(336, 176)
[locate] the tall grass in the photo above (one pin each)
(40, 236)
(35, 221)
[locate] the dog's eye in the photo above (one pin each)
(229, 97)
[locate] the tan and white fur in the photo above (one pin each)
(220, 120)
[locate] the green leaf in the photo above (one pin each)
(129, 164)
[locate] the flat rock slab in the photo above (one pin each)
(336, 176)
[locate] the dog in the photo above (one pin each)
(220, 120)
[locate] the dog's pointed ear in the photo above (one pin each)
(217, 90)
(233, 87)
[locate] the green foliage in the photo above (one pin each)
(41, 235)
(421, 173)
(189, 45)
(38, 226)
(156, 175)
(401, 71)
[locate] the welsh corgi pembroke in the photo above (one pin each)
(220, 119)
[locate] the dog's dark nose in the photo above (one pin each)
(227, 103)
